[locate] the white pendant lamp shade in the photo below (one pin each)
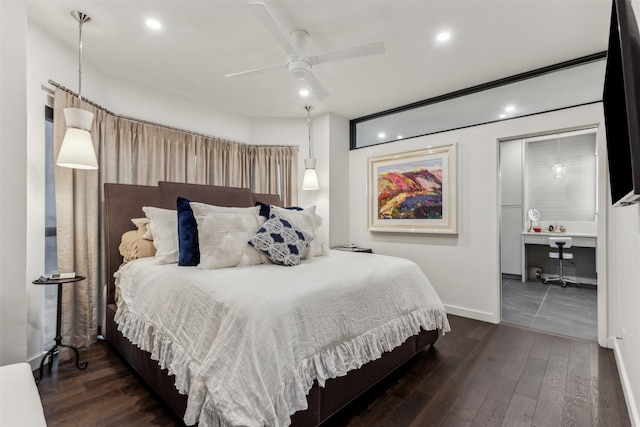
(77, 150)
(310, 179)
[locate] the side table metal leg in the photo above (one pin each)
(49, 354)
(79, 364)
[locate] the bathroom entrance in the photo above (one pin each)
(548, 192)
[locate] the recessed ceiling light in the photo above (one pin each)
(510, 108)
(502, 116)
(152, 23)
(304, 92)
(382, 135)
(399, 137)
(443, 36)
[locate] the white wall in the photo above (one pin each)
(464, 269)
(280, 132)
(624, 247)
(624, 275)
(321, 140)
(13, 209)
(339, 176)
(166, 108)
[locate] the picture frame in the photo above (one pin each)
(414, 192)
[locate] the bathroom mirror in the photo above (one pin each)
(534, 215)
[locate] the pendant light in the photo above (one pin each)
(557, 170)
(310, 179)
(77, 150)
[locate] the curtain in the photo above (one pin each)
(135, 152)
(269, 165)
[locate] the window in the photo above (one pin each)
(50, 238)
(568, 84)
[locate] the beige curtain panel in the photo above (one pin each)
(135, 152)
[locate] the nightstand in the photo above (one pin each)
(353, 249)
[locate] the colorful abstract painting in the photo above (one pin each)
(410, 190)
(414, 191)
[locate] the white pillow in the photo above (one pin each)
(163, 224)
(305, 220)
(143, 222)
(224, 234)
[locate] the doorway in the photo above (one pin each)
(554, 176)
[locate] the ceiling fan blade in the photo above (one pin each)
(316, 86)
(254, 72)
(265, 16)
(372, 48)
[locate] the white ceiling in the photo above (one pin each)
(201, 41)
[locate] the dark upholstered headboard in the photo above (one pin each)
(124, 201)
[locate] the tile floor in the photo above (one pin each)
(568, 311)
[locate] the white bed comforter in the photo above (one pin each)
(246, 343)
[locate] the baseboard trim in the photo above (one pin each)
(472, 314)
(626, 385)
(35, 361)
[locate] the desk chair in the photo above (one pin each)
(561, 243)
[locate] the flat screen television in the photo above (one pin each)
(621, 101)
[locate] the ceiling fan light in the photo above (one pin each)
(299, 68)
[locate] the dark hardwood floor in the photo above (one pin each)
(478, 375)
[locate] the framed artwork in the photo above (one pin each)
(414, 192)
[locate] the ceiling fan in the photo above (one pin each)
(299, 64)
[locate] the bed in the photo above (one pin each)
(293, 352)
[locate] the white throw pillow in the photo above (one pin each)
(163, 224)
(224, 234)
(305, 220)
(143, 222)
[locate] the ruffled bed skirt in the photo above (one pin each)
(330, 363)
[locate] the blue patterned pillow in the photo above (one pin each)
(280, 241)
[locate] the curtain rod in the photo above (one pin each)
(120, 116)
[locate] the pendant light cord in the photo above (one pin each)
(81, 18)
(308, 108)
(80, 60)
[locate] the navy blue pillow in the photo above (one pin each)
(188, 246)
(265, 209)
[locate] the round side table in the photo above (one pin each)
(58, 338)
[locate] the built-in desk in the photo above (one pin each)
(578, 240)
